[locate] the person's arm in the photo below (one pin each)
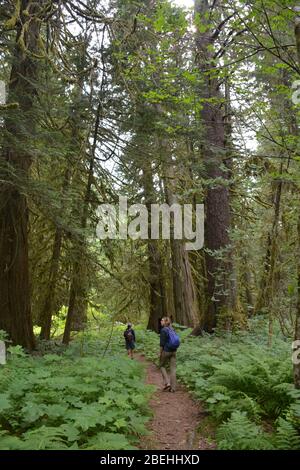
(163, 340)
(133, 332)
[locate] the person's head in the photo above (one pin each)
(165, 321)
(129, 325)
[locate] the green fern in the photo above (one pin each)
(287, 436)
(108, 441)
(69, 401)
(239, 433)
(239, 373)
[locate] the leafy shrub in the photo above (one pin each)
(242, 383)
(70, 401)
(241, 433)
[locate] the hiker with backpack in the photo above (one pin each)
(129, 336)
(169, 342)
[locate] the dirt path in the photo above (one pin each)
(176, 417)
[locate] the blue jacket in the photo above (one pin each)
(164, 338)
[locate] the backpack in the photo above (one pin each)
(174, 340)
(128, 336)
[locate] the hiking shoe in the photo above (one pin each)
(167, 387)
(171, 390)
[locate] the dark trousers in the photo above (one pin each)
(165, 358)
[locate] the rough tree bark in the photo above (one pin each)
(220, 296)
(15, 301)
(77, 296)
(267, 281)
(157, 288)
(184, 292)
(47, 310)
(297, 323)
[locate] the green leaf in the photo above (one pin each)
(5, 402)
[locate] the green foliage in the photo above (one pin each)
(241, 433)
(3, 335)
(287, 436)
(71, 401)
(243, 384)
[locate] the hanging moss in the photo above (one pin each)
(11, 23)
(4, 107)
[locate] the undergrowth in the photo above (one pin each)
(91, 396)
(246, 386)
(74, 398)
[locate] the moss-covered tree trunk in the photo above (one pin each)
(47, 309)
(297, 323)
(77, 307)
(15, 301)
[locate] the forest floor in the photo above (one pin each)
(177, 417)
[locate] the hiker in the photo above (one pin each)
(129, 336)
(169, 342)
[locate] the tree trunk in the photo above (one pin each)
(157, 288)
(184, 292)
(297, 323)
(267, 281)
(185, 296)
(296, 366)
(47, 310)
(247, 285)
(15, 302)
(77, 300)
(71, 309)
(46, 315)
(220, 294)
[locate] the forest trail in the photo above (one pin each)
(176, 417)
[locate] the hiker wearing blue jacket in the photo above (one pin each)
(169, 342)
(129, 336)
